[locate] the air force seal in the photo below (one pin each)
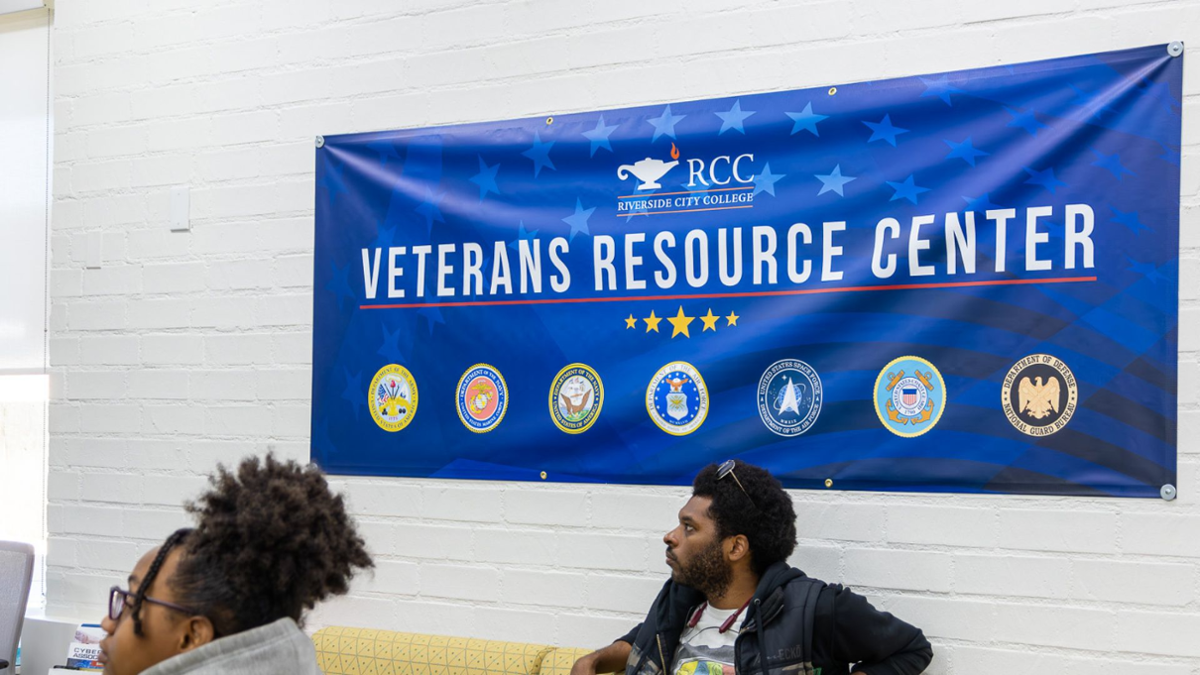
(909, 396)
(392, 397)
(789, 397)
(576, 396)
(482, 398)
(1039, 395)
(677, 398)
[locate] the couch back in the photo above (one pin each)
(364, 651)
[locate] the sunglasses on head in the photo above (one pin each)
(726, 469)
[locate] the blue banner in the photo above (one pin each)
(963, 282)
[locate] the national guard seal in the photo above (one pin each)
(392, 397)
(789, 397)
(677, 398)
(482, 398)
(1039, 395)
(910, 396)
(576, 396)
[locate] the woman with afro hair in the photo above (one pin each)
(270, 542)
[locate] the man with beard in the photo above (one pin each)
(732, 598)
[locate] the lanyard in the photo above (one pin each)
(725, 625)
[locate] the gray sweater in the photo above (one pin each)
(278, 648)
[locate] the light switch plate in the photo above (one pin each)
(181, 209)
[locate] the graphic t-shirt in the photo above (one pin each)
(704, 649)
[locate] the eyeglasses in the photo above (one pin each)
(119, 599)
(726, 469)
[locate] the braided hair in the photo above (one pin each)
(139, 598)
(271, 541)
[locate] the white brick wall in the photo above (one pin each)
(172, 355)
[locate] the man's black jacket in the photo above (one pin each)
(803, 625)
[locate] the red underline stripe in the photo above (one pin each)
(748, 294)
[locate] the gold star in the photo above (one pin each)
(630, 322)
(680, 321)
(652, 322)
(710, 321)
(732, 319)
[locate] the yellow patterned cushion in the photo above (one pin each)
(363, 651)
(560, 660)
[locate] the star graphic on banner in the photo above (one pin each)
(384, 237)
(1158, 91)
(354, 392)
(733, 118)
(639, 210)
(697, 189)
(599, 136)
(680, 322)
(1128, 219)
(884, 130)
(710, 321)
(906, 190)
(429, 208)
(1147, 270)
(332, 180)
(941, 88)
(1086, 101)
(665, 124)
(579, 220)
(1170, 154)
(834, 181)
(765, 181)
(1044, 178)
(1024, 120)
(964, 151)
(390, 349)
(432, 315)
(1112, 163)
(385, 149)
(539, 152)
(732, 319)
(522, 233)
(980, 204)
(806, 120)
(630, 322)
(340, 284)
(486, 178)
(652, 322)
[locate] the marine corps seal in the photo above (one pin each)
(392, 397)
(1039, 395)
(482, 398)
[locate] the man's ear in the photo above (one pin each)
(197, 632)
(737, 547)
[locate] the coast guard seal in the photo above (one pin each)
(576, 396)
(1039, 395)
(789, 397)
(909, 396)
(392, 397)
(677, 398)
(482, 398)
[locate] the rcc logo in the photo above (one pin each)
(718, 168)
